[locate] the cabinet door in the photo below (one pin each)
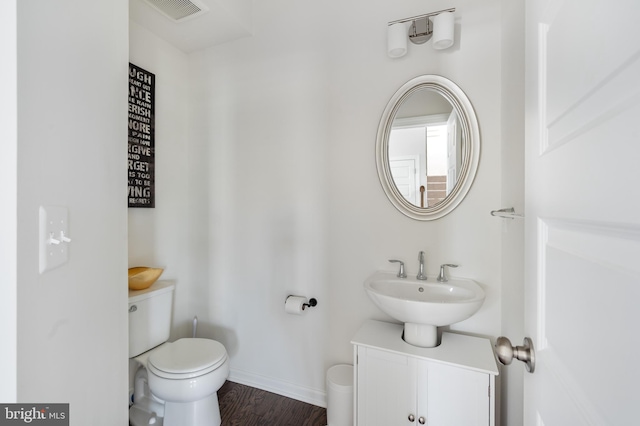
(386, 388)
(456, 396)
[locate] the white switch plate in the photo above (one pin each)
(54, 251)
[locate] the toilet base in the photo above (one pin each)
(146, 409)
(205, 412)
(142, 415)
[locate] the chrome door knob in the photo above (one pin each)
(412, 418)
(525, 353)
(421, 420)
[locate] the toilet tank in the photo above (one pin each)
(149, 317)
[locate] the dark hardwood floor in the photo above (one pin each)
(246, 406)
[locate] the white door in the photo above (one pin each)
(453, 136)
(405, 175)
(455, 396)
(387, 385)
(583, 212)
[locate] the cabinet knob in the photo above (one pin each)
(421, 420)
(412, 418)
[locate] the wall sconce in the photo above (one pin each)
(420, 29)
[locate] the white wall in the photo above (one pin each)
(285, 196)
(512, 183)
(159, 237)
(8, 195)
(72, 109)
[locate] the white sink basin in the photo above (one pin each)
(424, 305)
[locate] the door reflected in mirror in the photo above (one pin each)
(424, 148)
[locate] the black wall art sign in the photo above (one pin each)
(141, 138)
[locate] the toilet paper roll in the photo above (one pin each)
(295, 305)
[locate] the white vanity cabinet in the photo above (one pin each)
(400, 384)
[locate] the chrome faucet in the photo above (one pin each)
(401, 273)
(442, 277)
(421, 274)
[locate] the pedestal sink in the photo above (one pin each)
(424, 305)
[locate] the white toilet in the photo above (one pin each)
(176, 383)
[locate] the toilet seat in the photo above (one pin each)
(187, 358)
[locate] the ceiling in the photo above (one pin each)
(226, 20)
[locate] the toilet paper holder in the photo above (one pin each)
(310, 303)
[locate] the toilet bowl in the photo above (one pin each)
(186, 375)
(176, 383)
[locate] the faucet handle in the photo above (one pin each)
(401, 273)
(442, 277)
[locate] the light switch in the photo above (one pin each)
(54, 237)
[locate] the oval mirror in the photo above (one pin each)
(428, 147)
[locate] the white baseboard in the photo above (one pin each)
(280, 387)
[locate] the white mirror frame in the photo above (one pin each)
(470, 147)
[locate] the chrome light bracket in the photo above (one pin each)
(421, 30)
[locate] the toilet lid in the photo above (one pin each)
(188, 356)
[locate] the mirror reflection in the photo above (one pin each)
(425, 148)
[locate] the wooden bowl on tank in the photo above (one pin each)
(142, 277)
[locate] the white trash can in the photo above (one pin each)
(340, 395)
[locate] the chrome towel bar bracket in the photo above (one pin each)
(508, 213)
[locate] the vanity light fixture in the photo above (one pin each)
(420, 29)
(397, 39)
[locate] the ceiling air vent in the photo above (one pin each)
(179, 10)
